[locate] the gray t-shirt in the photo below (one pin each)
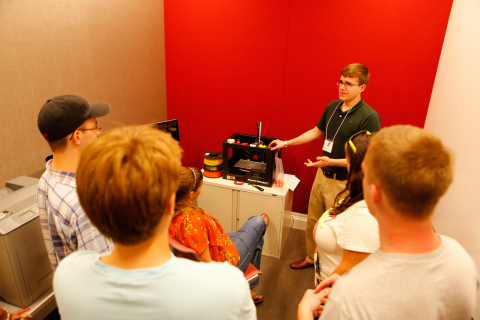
(441, 284)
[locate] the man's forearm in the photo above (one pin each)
(338, 162)
(306, 137)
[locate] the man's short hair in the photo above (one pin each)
(58, 145)
(61, 144)
(125, 179)
(357, 70)
(412, 167)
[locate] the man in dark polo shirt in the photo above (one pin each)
(340, 120)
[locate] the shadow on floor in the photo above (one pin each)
(283, 287)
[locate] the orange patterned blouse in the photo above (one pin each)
(196, 230)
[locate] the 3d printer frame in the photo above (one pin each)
(248, 159)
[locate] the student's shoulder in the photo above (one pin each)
(223, 267)
(359, 207)
(190, 217)
(358, 210)
(330, 108)
(368, 110)
(74, 263)
(82, 255)
(355, 281)
(452, 245)
(333, 104)
(78, 257)
(58, 186)
(188, 214)
(455, 249)
(219, 270)
(47, 181)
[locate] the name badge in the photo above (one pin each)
(328, 145)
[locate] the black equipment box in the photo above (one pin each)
(248, 159)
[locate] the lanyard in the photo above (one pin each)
(326, 129)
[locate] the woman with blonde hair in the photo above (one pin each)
(195, 229)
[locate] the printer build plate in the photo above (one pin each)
(251, 165)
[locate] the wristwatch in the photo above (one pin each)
(285, 143)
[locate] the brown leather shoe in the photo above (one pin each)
(301, 264)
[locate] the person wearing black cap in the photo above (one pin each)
(68, 123)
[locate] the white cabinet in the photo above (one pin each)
(218, 202)
(232, 205)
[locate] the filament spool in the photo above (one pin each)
(209, 174)
(212, 164)
(212, 168)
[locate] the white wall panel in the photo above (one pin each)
(454, 115)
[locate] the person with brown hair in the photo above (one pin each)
(347, 233)
(126, 182)
(69, 124)
(416, 273)
(338, 122)
(195, 229)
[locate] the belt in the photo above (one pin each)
(335, 176)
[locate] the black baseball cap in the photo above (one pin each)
(62, 115)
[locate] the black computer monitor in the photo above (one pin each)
(170, 126)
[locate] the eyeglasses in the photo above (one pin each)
(347, 84)
(98, 128)
(350, 142)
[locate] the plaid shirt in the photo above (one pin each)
(65, 226)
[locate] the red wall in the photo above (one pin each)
(230, 64)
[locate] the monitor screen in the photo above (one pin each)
(170, 126)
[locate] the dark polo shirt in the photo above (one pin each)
(361, 117)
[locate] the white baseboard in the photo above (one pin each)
(299, 220)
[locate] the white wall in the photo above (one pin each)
(454, 115)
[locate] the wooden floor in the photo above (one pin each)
(283, 287)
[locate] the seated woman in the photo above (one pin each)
(347, 233)
(195, 229)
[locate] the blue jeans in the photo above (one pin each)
(249, 243)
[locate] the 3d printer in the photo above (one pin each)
(248, 158)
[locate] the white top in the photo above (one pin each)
(87, 289)
(441, 284)
(355, 229)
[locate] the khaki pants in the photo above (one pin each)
(323, 194)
